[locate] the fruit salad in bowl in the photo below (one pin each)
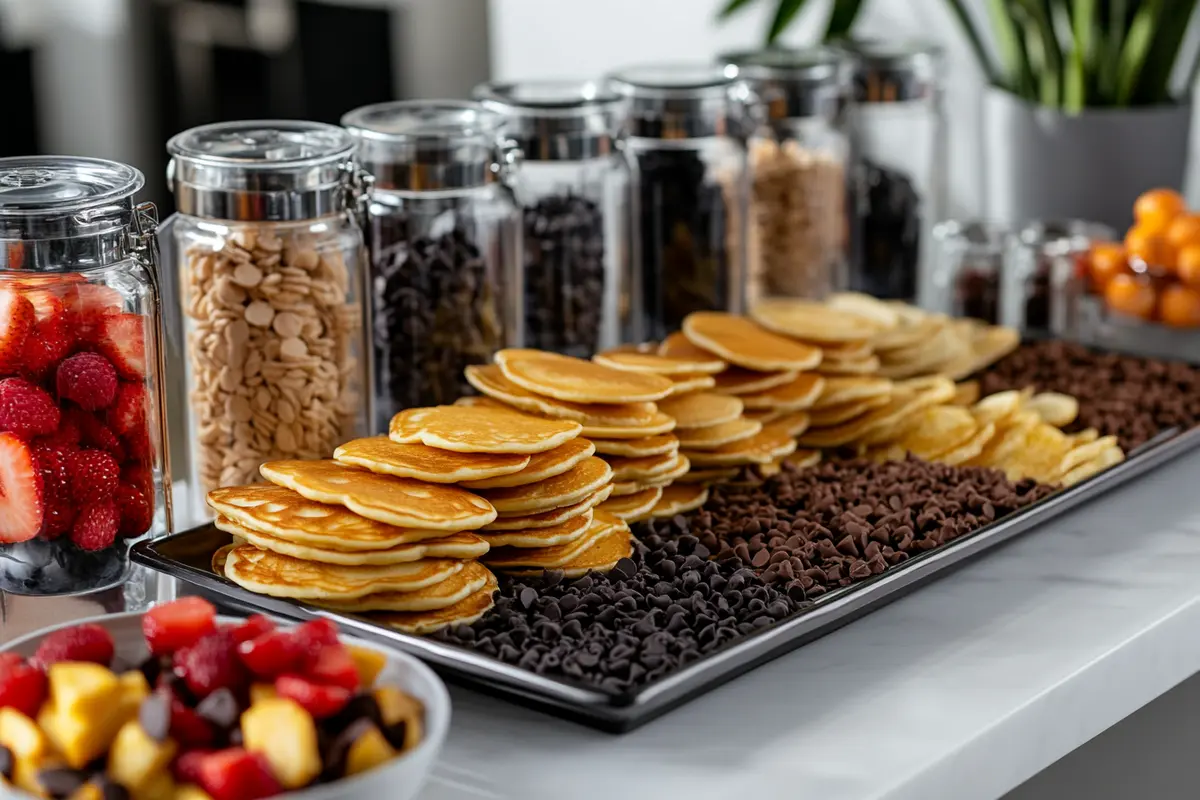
(180, 704)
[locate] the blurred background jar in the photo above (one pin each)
(268, 251)
(576, 191)
(687, 133)
(798, 226)
(83, 459)
(899, 144)
(444, 234)
(968, 264)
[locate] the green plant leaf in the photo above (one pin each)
(1154, 83)
(976, 41)
(1043, 47)
(785, 12)
(733, 7)
(1015, 73)
(841, 18)
(1082, 56)
(1137, 46)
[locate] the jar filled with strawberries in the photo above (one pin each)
(82, 463)
(1154, 274)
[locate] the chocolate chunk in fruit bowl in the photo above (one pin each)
(216, 708)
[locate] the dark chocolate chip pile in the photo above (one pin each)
(1126, 396)
(564, 275)
(891, 235)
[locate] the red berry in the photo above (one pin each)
(89, 380)
(314, 636)
(189, 728)
(95, 527)
(21, 507)
(46, 305)
(22, 685)
(88, 305)
(79, 643)
(16, 321)
(140, 477)
(237, 774)
(137, 513)
(271, 654)
(95, 434)
(121, 339)
(335, 667)
(252, 628)
(68, 434)
(127, 416)
(94, 476)
(317, 699)
(48, 344)
(173, 625)
(27, 410)
(209, 664)
(186, 767)
(53, 465)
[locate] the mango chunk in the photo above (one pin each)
(287, 735)
(368, 751)
(190, 791)
(135, 760)
(81, 738)
(369, 663)
(83, 689)
(22, 736)
(89, 791)
(159, 786)
(262, 691)
(396, 706)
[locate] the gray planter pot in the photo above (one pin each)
(1042, 164)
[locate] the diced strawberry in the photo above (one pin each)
(79, 643)
(27, 410)
(88, 305)
(317, 699)
(335, 667)
(53, 464)
(314, 636)
(95, 434)
(177, 624)
(127, 416)
(22, 685)
(189, 728)
(270, 654)
(237, 774)
(94, 476)
(95, 527)
(46, 304)
(252, 628)
(121, 339)
(88, 379)
(137, 512)
(21, 508)
(209, 664)
(16, 321)
(186, 767)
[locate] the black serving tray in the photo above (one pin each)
(187, 556)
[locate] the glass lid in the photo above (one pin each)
(419, 119)
(558, 120)
(683, 101)
(266, 143)
(41, 185)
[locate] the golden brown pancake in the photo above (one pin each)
(659, 425)
(762, 448)
(656, 364)
(709, 476)
(715, 436)
(829, 416)
(578, 381)
(458, 587)
(738, 381)
(566, 489)
(840, 391)
(701, 409)
(420, 623)
(602, 556)
(634, 469)
(541, 466)
(633, 507)
(490, 380)
(680, 498)
(480, 429)
(546, 519)
(506, 558)
(663, 444)
(682, 384)
(742, 342)
(813, 321)
(423, 463)
(563, 533)
(797, 395)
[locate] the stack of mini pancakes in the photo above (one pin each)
(618, 413)
(547, 514)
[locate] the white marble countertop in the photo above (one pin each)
(964, 689)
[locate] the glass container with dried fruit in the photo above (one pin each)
(798, 231)
(268, 248)
(576, 190)
(445, 240)
(968, 263)
(688, 125)
(83, 463)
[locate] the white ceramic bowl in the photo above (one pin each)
(399, 779)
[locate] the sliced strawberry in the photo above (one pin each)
(79, 643)
(121, 339)
(186, 767)
(318, 699)
(314, 636)
(270, 654)
(173, 625)
(252, 628)
(21, 508)
(237, 774)
(88, 305)
(335, 667)
(210, 663)
(22, 685)
(189, 728)
(50, 342)
(127, 417)
(47, 304)
(16, 322)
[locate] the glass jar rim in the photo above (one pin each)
(673, 80)
(261, 144)
(406, 120)
(33, 186)
(547, 98)
(815, 64)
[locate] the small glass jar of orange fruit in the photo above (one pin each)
(1154, 274)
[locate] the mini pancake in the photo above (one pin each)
(763, 415)
(659, 445)
(221, 557)
(548, 519)
(420, 623)
(769, 470)
(676, 345)
(740, 381)
(506, 558)
(566, 532)
(542, 466)
(578, 381)
(603, 556)
(457, 545)
(458, 587)
(813, 322)
(715, 436)
(838, 369)
(478, 429)
(765, 446)
(490, 380)
(659, 425)
(803, 459)
(264, 572)
(966, 393)
(286, 515)
(882, 314)
(682, 384)
(845, 351)
(401, 502)
(798, 395)
(747, 344)
(840, 391)
(680, 468)
(882, 421)
(708, 476)
(1060, 410)
(988, 345)
(912, 330)
(922, 358)
(835, 415)
(635, 469)
(633, 507)
(1001, 405)
(965, 451)
(420, 462)
(656, 364)
(578, 483)
(793, 424)
(937, 429)
(679, 499)
(701, 409)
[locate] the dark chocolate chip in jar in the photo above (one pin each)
(890, 232)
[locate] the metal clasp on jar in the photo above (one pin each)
(506, 161)
(357, 186)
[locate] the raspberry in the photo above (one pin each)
(271, 654)
(79, 643)
(317, 699)
(210, 664)
(136, 511)
(53, 464)
(95, 434)
(22, 685)
(170, 626)
(68, 434)
(314, 636)
(335, 667)
(48, 344)
(88, 379)
(94, 476)
(237, 774)
(96, 526)
(253, 627)
(27, 410)
(140, 477)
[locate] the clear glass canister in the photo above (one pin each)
(968, 263)
(687, 133)
(575, 189)
(899, 146)
(83, 465)
(799, 157)
(445, 240)
(269, 253)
